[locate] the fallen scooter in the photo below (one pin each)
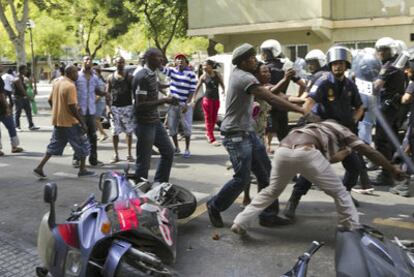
(131, 232)
(363, 252)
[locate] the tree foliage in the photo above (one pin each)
(163, 19)
(14, 15)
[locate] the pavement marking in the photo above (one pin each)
(200, 195)
(64, 174)
(394, 223)
(4, 165)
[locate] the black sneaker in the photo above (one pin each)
(39, 174)
(34, 128)
(274, 221)
(86, 173)
(215, 217)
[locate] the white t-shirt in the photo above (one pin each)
(8, 81)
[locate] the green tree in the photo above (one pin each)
(163, 20)
(14, 15)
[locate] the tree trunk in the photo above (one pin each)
(20, 50)
(211, 50)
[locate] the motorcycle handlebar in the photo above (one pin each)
(314, 247)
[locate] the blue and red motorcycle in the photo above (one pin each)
(131, 231)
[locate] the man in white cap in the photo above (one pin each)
(246, 151)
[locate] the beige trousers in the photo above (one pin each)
(312, 165)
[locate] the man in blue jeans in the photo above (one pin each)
(7, 119)
(149, 128)
(246, 151)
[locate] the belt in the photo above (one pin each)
(297, 146)
(234, 133)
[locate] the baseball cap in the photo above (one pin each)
(180, 55)
(241, 52)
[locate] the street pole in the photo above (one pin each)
(30, 26)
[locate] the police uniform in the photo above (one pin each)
(390, 99)
(279, 119)
(335, 100)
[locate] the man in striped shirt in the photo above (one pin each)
(182, 86)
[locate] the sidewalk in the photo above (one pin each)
(16, 259)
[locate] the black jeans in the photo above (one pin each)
(382, 142)
(23, 104)
(91, 125)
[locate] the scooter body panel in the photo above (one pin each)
(360, 253)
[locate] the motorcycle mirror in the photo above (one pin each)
(50, 193)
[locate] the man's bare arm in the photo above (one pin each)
(309, 103)
(277, 101)
(377, 158)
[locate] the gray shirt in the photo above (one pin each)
(239, 102)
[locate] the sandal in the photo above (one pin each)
(115, 159)
(130, 159)
(216, 143)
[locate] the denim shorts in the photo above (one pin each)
(76, 137)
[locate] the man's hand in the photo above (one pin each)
(289, 74)
(185, 108)
(171, 100)
(398, 174)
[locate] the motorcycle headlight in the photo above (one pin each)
(73, 264)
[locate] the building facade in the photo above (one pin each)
(302, 25)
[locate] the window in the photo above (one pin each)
(357, 44)
(295, 51)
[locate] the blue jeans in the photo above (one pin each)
(247, 154)
(8, 122)
(148, 135)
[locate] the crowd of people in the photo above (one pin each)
(336, 124)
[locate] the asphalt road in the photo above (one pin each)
(266, 252)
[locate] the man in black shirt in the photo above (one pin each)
(120, 106)
(149, 129)
(22, 99)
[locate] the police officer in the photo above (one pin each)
(271, 51)
(316, 62)
(333, 96)
(390, 87)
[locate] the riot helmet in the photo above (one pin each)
(272, 47)
(318, 55)
(386, 42)
(400, 46)
(339, 53)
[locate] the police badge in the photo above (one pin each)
(331, 95)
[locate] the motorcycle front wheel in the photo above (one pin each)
(184, 202)
(130, 266)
